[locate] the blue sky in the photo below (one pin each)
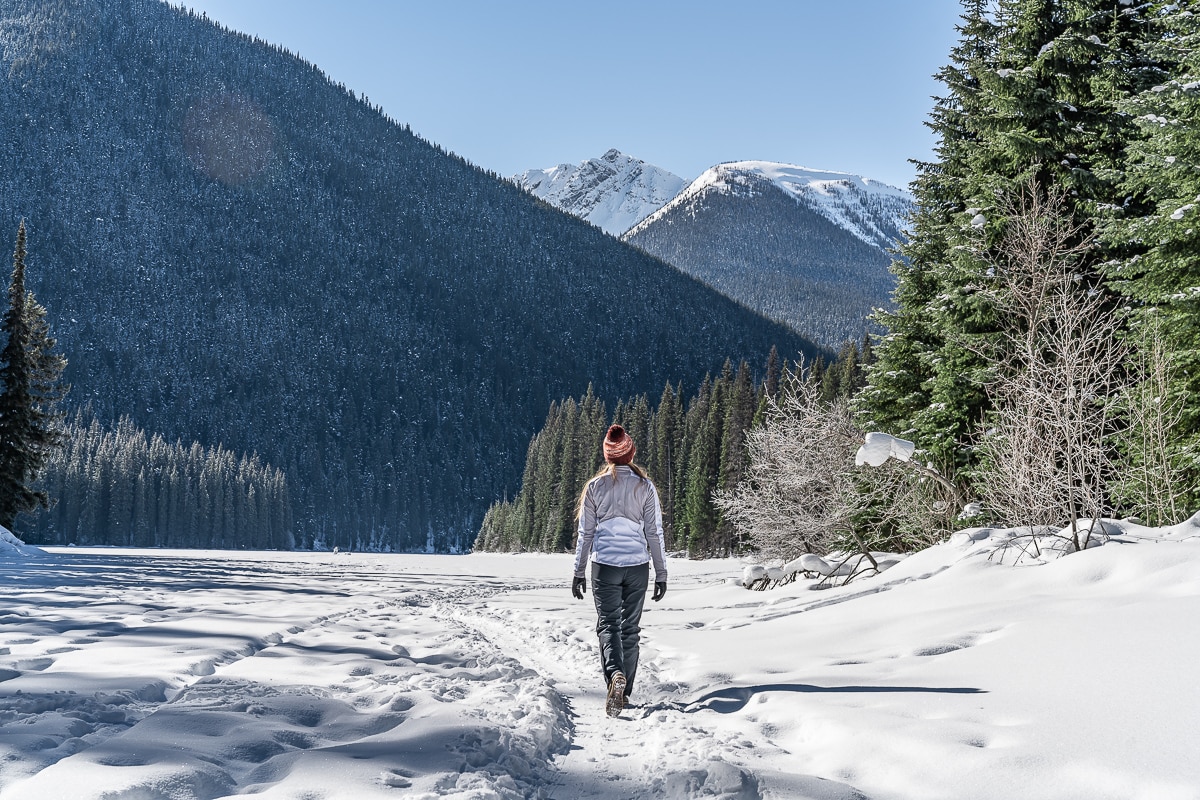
(683, 84)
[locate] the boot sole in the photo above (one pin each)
(616, 696)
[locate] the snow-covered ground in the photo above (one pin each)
(156, 675)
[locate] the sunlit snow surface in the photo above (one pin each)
(182, 675)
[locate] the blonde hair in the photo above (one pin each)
(609, 469)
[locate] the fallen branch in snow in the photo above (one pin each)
(826, 570)
(1039, 544)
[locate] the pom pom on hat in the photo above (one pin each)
(618, 446)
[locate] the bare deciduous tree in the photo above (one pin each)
(1151, 485)
(798, 495)
(1047, 449)
(804, 494)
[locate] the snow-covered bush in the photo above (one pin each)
(799, 493)
(12, 547)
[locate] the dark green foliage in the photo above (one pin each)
(30, 372)
(688, 456)
(256, 257)
(122, 487)
(846, 376)
(1157, 224)
(1031, 95)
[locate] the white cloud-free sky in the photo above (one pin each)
(683, 84)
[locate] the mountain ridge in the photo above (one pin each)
(873, 211)
(613, 192)
(840, 232)
(809, 248)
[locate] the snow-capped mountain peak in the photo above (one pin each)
(870, 210)
(613, 192)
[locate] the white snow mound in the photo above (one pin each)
(12, 547)
(878, 447)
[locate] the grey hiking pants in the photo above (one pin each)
(619, 593)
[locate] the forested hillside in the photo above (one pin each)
(236, 251)
(688, 446)
(120, 486)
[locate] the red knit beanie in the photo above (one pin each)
(618, 446)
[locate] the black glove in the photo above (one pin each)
(660, 589)
(578, 587)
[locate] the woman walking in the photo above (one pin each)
(620, 529)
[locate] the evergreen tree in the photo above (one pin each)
(899, 384)
(735, 458)
(1157, 222)
(30, 423)
(667, 455)
(704, 468)
(1033, 88)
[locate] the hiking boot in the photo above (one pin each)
(616, 695)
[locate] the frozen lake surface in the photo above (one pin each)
(178, 675)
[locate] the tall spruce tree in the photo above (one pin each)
(1158, 220)
(30, 422)
(1034, 87)
(670, 455)
(900, 383)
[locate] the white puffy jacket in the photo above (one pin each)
(621, 524)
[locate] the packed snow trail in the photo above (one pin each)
(653, 749)
(161, 676)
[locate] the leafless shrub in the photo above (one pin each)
(1047, 451)
(804, 494)
(1152, 486)
(798, 495)
(907, 506)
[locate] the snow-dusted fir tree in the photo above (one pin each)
(30, 371)
(898, 395)
(1034, 88)
(1159, 218)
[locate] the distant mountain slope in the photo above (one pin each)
(613, 192)
(805, 247)
(235, 250)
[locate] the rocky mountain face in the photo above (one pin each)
(808, 248)
(613, 192)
